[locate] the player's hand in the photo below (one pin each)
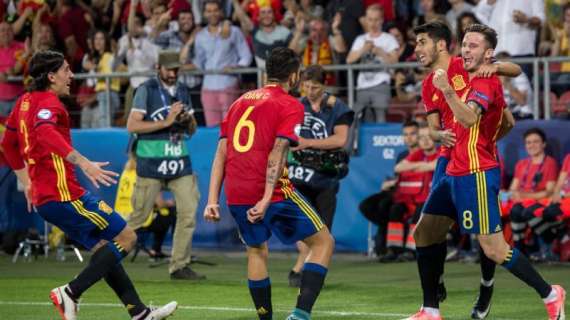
(175, 110)
(97, 175)
(257, 212)
(447, 138)
(440, 80)
(368, 46)
(302, 144)
(487, 70)
(212, 212)
(28, 195)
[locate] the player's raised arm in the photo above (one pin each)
(275, 165)
(503, 68)
(212, 210)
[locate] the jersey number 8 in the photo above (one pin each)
(244, 123)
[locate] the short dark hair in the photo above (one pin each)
(411, 123)
(536, 131)
(488, 33)
(281, 63)
(314, 73)
(436, 30)
(41, 65)
(216, 2)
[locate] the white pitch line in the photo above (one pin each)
(230, 309)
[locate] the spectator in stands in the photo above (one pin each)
(310, 10)
(406, 50)
(214, 52)
(560, 82)
(252, 8)
(160, 19)
(266, 35)
(378, 203)
(139, 52)
(408, 84)
(10, 53)
(43, 36)
(351, 18)
(72, 29)
(106, 16)
(464, 20)
(387, 5)
(458, 7)
(534, 180)
(427, 7)
(373, 47)
(319, 48)
(199, 7)
(100, 60)
(516, 23)
(415, 173)
(517, 92)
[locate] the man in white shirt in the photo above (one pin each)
(516, 23)
(517, 92)
(375, 46)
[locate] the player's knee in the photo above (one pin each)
(127, 239)
(495, 251)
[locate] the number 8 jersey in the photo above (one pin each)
(252, 125)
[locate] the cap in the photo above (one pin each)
(169, 59)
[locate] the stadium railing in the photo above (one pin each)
(541, 67)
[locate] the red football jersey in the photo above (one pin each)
(476, 149)
(528, 174)
(43, 140)
(566, 168)
(434, 101)
(414, 187)
(251, 126)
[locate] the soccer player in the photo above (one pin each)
(254, 140)
(432, 50)
(471, 185)
(38, 147)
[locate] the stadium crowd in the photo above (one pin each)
(105, 36)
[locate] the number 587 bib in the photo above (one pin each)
(162, 159)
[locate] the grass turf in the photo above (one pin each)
(356, 288)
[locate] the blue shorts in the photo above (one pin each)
(86, 220)
(291, 220)
(472, 200)
(439, 171)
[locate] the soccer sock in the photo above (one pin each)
(519, 266)
(260, 291)
(102, 261)
(312, 280)
(441, 249)
(488, 267)
(120, 282)
(429, 268)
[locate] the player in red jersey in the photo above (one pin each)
(432, 50)
(472, 184)
(37, 145)
(250, 159)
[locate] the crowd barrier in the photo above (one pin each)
(379, 146)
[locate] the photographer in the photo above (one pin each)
(319, 161)
(161, 117)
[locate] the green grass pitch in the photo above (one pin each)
(356, 288)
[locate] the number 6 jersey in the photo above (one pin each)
(252, 125)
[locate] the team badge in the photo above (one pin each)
(434, 98)
(105, 207)
(458, 82)
(44, 114)
(25, 105)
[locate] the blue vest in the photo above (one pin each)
(318, 125)
(160, 156)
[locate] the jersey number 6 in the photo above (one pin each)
(244, 123)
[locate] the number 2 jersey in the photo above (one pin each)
(251, 127)
(38, 134)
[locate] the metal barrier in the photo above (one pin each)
(350, 69)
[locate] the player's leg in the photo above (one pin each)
(431, 247)
(258, 280)
(255, 236)
(294, 276)
(483, 301)
(186, 195)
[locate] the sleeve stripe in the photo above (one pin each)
(10, 128)
(433, 111)
(39, 123)
(138, 110)
(292, 141)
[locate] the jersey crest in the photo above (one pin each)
(105, 207)
(458, 82)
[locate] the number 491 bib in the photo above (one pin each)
(162, 159)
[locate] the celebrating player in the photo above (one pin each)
(471, 185)
(432, 50)
(255, 137)
(38, 143)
